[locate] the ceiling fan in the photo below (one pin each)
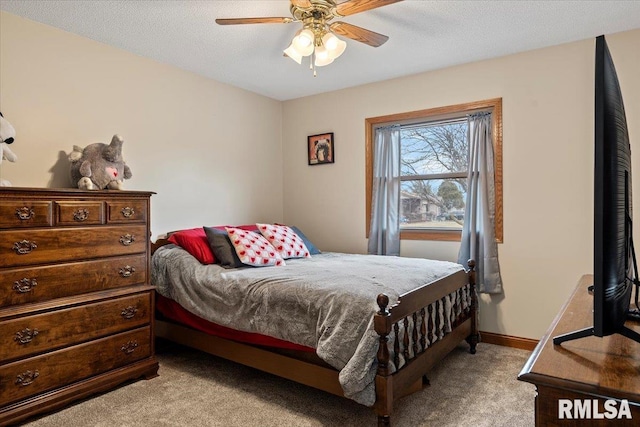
(317, 37)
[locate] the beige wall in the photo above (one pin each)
(184, 134)
(548, 167)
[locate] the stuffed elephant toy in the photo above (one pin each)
(99, 166)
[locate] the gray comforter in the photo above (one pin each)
(326, 302)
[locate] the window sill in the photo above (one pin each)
(438, 235)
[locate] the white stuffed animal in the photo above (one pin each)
(7, 135)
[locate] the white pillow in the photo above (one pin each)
(284, 240)
(253, 249)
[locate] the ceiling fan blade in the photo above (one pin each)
(359, 34)
(356, 6)
(301, 3)
(234, 21)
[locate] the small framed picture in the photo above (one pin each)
(320, 149)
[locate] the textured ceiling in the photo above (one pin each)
(423, 35)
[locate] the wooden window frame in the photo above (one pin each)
(494, 105)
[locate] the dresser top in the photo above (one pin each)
(12, 192)
(607, 366)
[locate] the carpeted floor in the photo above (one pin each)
(195, 389)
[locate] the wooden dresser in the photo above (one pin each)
(76, 305)
(589, 369)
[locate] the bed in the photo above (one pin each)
(365, 327)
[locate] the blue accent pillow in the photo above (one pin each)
(310, 246)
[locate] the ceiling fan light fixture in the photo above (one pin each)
(330, 41)
(322, 56)
(319, 62)
(303, 41)
(336, 47)
(317, 38)
(302, 51)
(292, 53)
(322, 53)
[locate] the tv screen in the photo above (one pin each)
(614, 267)
(613, 262)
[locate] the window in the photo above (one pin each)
(434, 167)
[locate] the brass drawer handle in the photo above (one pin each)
(127, 239)
(25, 336)
(128, 212)
(127, 271)
(25, 213)
(81, 215)
(24, 247)
(129, 347)
(26, 378)
(129, 312)
(25, 285)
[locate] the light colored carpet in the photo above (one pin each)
(195, 389)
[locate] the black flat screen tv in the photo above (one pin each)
(614, 263)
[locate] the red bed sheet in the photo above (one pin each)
(174, 311)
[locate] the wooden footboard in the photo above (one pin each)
(419, 347)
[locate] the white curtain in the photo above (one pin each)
(478, 233)
(384, 233)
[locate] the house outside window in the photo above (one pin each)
(434, 168)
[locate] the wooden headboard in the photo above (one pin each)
(161, 241)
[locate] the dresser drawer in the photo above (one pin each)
(79, 213)
(125, 211)
(25, 213)
(29, 335)
(36, 284)
(29, 247)
(28, 377)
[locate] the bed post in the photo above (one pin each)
(384, 386)
(474, 337)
